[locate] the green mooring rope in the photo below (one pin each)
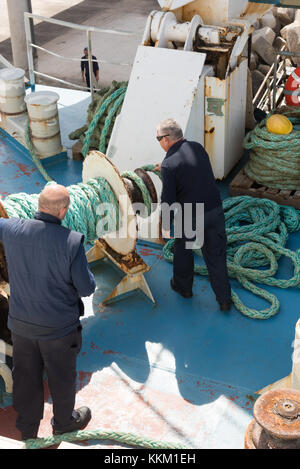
(257, 229)
(102, 109)
(126, 438)
(34, 156)
(102, 113)
(257, 232)
(83, 214)
(274, 160)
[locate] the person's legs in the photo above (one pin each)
(60, 362)
(28, 389)
(183, 266)
(214, 254)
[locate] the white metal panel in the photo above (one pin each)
(225, 117)
(236, 116)
(215, 112)
(163, 84)
(236, 9)
(196, 123)
(173, 4)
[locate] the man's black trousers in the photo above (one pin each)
(214, 254)
(58, 358)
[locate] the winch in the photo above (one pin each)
(277, 421)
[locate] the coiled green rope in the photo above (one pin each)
(99, 114)
(102, 113)
(83, 214)
(257, 232)
(121, 437)
(274, 160)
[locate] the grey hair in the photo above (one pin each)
(171, 128)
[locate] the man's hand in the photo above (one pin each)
(157, 167)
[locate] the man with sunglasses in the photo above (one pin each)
(188, 180)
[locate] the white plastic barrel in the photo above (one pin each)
(44, 122)
(12, 91)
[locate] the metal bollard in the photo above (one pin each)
(276, 423)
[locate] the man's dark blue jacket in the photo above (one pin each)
(48, 275)
(187, 176)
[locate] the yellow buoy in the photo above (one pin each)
(279, 124)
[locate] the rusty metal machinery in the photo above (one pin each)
(276, 423)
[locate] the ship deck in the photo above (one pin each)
(175, 371)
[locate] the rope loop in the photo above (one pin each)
(257, 232)
(274, 159)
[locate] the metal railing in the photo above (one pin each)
(267, 97)
(271, 92)
(88, 29)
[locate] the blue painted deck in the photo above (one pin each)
(178, 370)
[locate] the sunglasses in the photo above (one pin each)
(160, 137)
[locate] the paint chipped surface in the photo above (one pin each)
(177, 370)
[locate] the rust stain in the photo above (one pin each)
(94, 346)
(110, 352)
(210, 131)
(251, 398)
(188, 401)
(148, 252)
(84, 378)
(25, 169)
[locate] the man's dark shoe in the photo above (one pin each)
(185, 294)
(81, 418)
(226, 306)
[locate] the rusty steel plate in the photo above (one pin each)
(278, 413)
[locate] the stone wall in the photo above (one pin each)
(278, 27)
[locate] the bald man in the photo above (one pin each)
(48, 275)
